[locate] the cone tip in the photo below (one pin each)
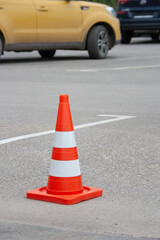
(63, 98)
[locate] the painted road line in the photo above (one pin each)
(14, 139)
(113, 69)
(114, 118)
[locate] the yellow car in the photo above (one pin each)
(47, 25)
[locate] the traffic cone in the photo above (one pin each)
(64, 181)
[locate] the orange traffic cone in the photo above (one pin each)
(64, 181)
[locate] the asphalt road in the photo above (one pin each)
(120, 156)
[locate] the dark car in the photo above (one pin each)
(138, 17)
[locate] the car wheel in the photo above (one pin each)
(126, 37)
(155, 36)
(1, 47)
(98, 42)
(47, 54)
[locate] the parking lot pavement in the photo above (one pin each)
(120, 155)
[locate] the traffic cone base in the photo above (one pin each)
(41, 194)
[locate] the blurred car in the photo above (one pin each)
(138, 17)
(47, 25)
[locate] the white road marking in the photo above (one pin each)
(113, 69)
(14, 139)
(115, 118)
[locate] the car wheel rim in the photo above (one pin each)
(103, 43)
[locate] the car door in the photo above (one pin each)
(18, 21)
(58, 21)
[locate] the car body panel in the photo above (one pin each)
(18, 21)
(62, 28)
(51, 24)
(96, 13)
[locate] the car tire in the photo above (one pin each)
(126, 37)
(155, 36)
(47, 54)
(98, 42)
(1, 47)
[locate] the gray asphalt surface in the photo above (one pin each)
(122, 158)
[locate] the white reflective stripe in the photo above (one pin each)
(64, 140)
(65, 168)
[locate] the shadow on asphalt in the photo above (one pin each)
(38, 59)
(54, 59)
